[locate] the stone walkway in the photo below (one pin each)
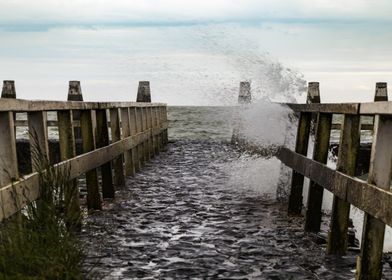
(178, 219)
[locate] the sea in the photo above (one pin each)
(205, 209)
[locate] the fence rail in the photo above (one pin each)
(372, 196)
(138, 132)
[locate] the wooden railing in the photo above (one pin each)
(373, 197)
(138, 132)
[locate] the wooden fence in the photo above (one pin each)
(373, 197)
(138, 132)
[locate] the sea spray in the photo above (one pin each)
(265, 127)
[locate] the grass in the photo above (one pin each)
(41, 242)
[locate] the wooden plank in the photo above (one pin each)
(133, 131)
(8, 163)
(21, 105)
(38, 134)
(126, 132)
(380, 107)
(143, 128)
(364, 126)
(118, 163)
(155, 125)
(27, 188)
(320, 154)
(146, 127)
(140, 147)
(102, 140)
(67, 151)
(347, 156)
(369, 264)
(351, 189)
(88, 139)
(297, 180)
(331, 108)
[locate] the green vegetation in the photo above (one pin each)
(41, 241)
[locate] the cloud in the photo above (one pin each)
(147, 12)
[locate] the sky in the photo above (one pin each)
(196, 52)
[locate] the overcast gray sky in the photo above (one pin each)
(196, 52)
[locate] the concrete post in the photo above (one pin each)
(381, 92)
(144, 92)
(244, 96)
(313, 93)
(75, 91)
(8, 90)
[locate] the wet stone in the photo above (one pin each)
(180, 218)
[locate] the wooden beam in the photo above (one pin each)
(330, 108)
(347, 156)
(102, 137)
(133, 131)
(118, 163)
(320, 154)
(369, 264)
(68, 151)
(297, 180)
(8, 162)
(27, 189)
(93, 196)
(38, 134)
(126, 132)
(21, 105)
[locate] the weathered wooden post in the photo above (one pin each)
(9, 162)
(152, 125)
(67, 151)
(75, 94)
(244, 98)
(369, 262)
(381, 92)
(38, 132)
(134, 130)
(162, 120)
(320, 154)
(102, 141)
(139, 117)
(146, 142)
(158, 125)
(144, 92)
(126, 132)
(301, 147)
(118, 162)
(165, 120)
(93, 195)
(347, 157)
(149, 136)
(8, 89)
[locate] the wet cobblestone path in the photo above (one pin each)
(178, 219)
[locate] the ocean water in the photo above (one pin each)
(206, 210)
